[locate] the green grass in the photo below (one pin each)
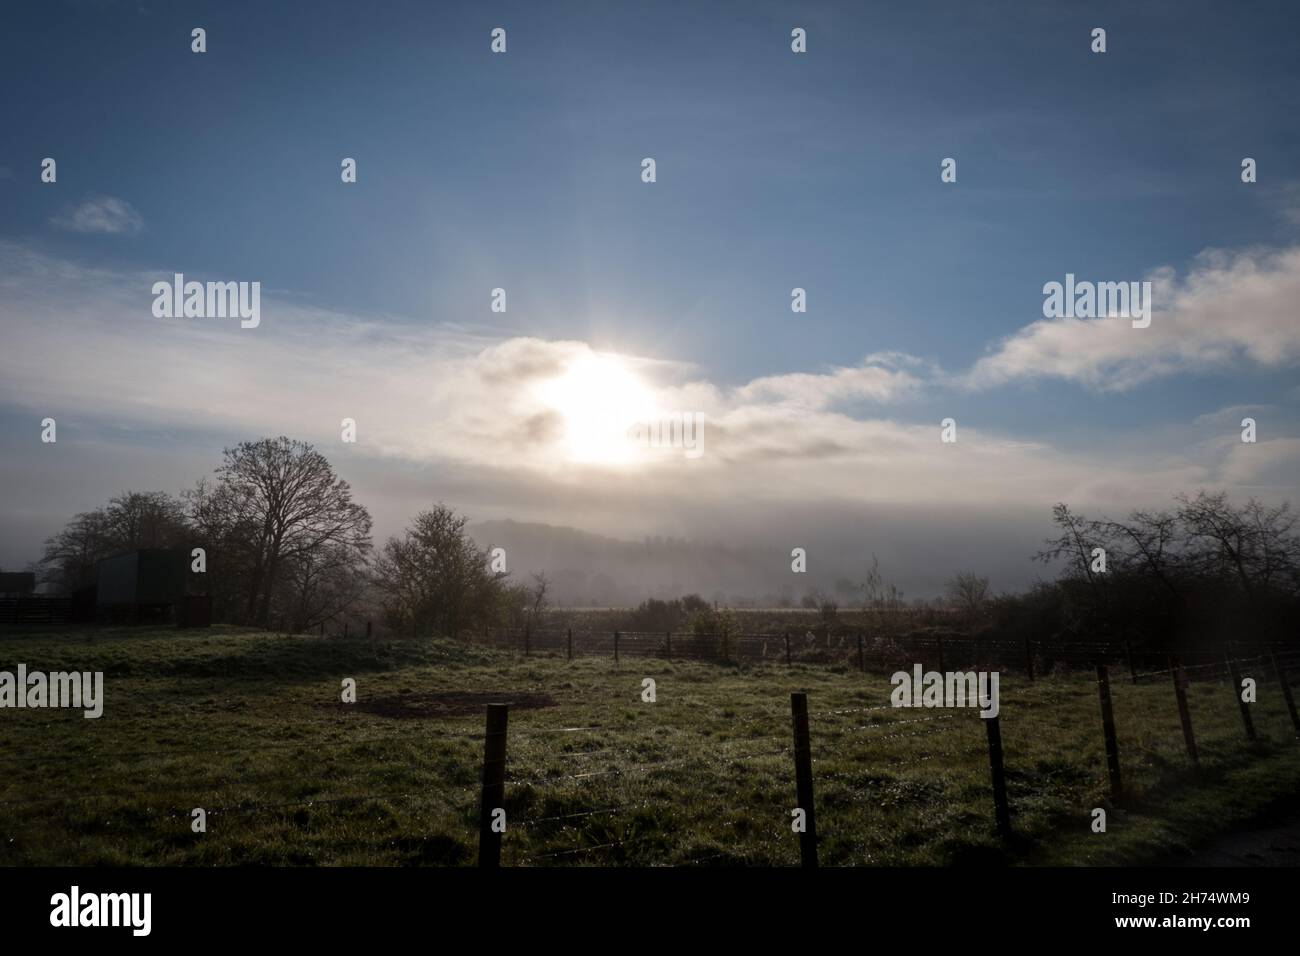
(250, 726)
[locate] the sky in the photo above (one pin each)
(631, 302)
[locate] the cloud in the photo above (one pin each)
(102, 215)
(1232, 414)
(1288, 203)
(1229, 310)
(450, 413)
(876, 379)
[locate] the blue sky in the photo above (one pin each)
(775, 170)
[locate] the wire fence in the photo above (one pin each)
(602, 793)
(866, 651)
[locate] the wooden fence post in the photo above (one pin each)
(803, 779)
(669, 636)
(570, 641)
(345, 630)
(322, 628)
(862, 661)
(494, 784)
(1286, 692)
(787, 648)
(1108, 728)
(1132, 670)
(527, 638)
(369, 631)
(1001, 810)
(1184, 713)
(1029, 658)
(726, 645)
(1247, 722)
(616, 647)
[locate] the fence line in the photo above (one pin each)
(805, 761)
(852, 646)
(808, 725)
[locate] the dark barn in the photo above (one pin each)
(143, 585)
(15, 584)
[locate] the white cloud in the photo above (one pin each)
(100, 214)
(1232, 414)
(876, 379)
(447, 412)
(1228, 311)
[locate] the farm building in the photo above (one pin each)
(20, 604)
(137, 585)
(17, 583)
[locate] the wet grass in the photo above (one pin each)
(251, 728)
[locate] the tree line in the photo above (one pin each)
(286, 544)
(1204, 571)
(1201, 573)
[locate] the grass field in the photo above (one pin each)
(250, 727)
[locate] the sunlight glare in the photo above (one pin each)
(599, 399)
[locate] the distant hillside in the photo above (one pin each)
(588, 569)
(754, 569)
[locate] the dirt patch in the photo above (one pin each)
(446, 704)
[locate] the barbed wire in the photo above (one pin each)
(568, 816)
(886, 725)
(586, 849)
(853, 710)
(687, 645)
(826, 753)
(184, 788)
(434, 795)
(912, 734)
(246, 748)
(649, 767)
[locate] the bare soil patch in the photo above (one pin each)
(414, 705)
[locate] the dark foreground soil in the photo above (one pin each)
(1270, 841)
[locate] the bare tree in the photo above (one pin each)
(150, 519)
(881, 600)
(823, 603)
(968, 593)
(71, 555)
(1255, 544)
(1149, 544)
(319, 586)
(1200, 572)
(276, 501)
(1078, 539)
(538, 594)
(131, 520)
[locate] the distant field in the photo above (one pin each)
(250, 727)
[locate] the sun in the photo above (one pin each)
(600, 400)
